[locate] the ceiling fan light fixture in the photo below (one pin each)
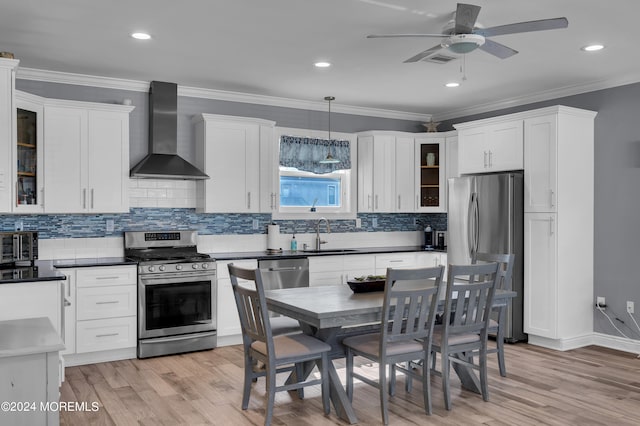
(463, 43)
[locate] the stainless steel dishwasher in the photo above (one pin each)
(284, 273)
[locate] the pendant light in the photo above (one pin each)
(330, 159)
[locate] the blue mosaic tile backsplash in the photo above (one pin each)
(138, 219)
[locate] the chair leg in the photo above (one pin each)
(500, 344)
(349, 374)
(392, 379)
(408, 380)
(271, 394)
(382, 382)
(426, 383)
(484, 384)
(445, 379)
(248, 379)
(324, 372)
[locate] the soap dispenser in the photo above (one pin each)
(294, 243)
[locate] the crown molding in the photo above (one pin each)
(221, 95)
(537, 97)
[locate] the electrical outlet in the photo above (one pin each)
(600, 301)
(358, 223)
(374, 222)
(19, 226)
(255, 223)
(110, 225)
(630, 306)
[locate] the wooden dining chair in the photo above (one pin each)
(408, 314)
(278, 354)
(497, 322)
(465, 324)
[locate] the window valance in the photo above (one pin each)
(306, 153)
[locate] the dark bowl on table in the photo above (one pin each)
(366, 286)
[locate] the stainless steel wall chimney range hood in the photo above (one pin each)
(163, 161)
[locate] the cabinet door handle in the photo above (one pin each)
(490, 159)
(369, 202)
(552, 196)
(92, 198)
(273, 200)
(551, 226)
(376, 203)
(399, 203)
(17, 194)
(248, 200)
(107, 335)
(485, 159)
(84, 198)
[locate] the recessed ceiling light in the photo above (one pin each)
(141, 36)
(322, 64)
(593, 47)
(452, 84)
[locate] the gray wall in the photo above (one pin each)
(617, 197)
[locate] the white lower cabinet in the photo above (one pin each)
(336, 270)
(540, 281)
(33, 299)
(394, 260)
(106, 308)
(227, 319)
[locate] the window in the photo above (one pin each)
(304, 194)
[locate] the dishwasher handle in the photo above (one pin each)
(284, 268)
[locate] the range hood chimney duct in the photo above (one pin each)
(163, 161)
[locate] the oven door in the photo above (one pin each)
(172, 304)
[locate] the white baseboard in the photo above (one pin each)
(235, 339)
(101, 356)
(598, 339)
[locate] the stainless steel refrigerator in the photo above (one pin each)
(485, 214)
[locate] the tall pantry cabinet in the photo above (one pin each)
(558, 217)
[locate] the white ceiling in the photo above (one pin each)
(268, 48)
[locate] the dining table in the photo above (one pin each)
(332, 313)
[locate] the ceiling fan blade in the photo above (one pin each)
(405, 35)
(466, 15)
(524, 27)
(497, 49)
(420, 56)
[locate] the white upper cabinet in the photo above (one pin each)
(86, 157)
(405, 175)
(228, 150)
(376, 172)
(28, 176)
(489, 146)
(540, 169)
(7, 132)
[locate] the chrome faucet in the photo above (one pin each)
(319, 242)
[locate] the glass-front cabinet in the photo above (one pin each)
(430, 176)
(28, 154)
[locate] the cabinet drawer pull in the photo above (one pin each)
(107, 335)
(396, 261)
(108, 278)
(109, 302)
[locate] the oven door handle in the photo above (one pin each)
(170, 279)
(178, 338)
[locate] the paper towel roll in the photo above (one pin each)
(273, 237)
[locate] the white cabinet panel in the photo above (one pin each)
(32, 299)
(106, 302)
(541, 280)
(106, 334)
(540, 170)
(491, 147)
(405, 175)
(107, 276)
(228, 150)
(227, 318)
(86, 157)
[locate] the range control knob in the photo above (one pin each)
(178, 267)
(162, 267)
(195, 266)
(151, 268)
(205, 266)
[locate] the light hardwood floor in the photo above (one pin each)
(587, 386)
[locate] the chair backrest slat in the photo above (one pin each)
(469, 296)
(252, 306)
(410, 301)
(505, 269)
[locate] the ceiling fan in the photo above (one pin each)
(460, 36)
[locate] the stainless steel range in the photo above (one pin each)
(176, 292)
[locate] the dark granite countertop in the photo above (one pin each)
(40, 271)
(288, 254)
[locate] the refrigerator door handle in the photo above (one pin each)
(471, 224)
(476, 218)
